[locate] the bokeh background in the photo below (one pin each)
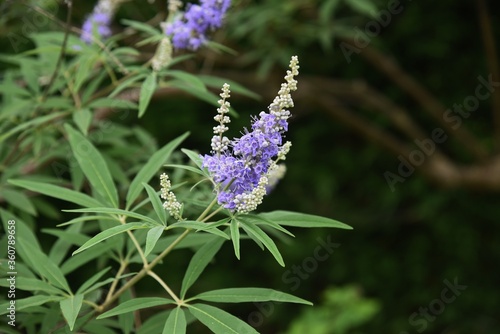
(353, 116)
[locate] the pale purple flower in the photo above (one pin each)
(242, 167)
(98, 22)
(190, 30)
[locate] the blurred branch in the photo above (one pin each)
(430, 104)
(62, 52)
(492, 60)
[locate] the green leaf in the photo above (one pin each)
(84, 65)
(199, 262)
(126, 84)
(125, 321)
(60, 248)
(80, 259)
(88, 283)
(118, 212)
(140, 26)
(189, 168)
(22, 229)
(93, 165)
(107, 281)
(86, 218)
(73, 238)
(31, 123)
(260, 235)
(156, 202)
(242, 295)
(57, 192)
(108, 234)
(176, 322)
(188, 78)
(153, 235)
(151, 167)
(70, 308)
(217, 82)
(136, 304)
(220, 321)
(108, 102)
(194, 156)
(289, 218)
(21, 304)
(32, 284)
(19, 200)
(42, 264)
(199, 226)
(82, 119)
(235, 237)
(147, 89)
(202, 94)
(365, 7)
(259, 219)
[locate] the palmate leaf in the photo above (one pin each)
(241, 295)
(219, 321)
(151, 168)
(289, 218)
(176, 322)
(70, 308)
(136, 304)
(93, 165)
(199, 262)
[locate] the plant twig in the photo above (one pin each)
(420, 94)
(165, 286)
(492, 60)
(62, 52)
(143, 272)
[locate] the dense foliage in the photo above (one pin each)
(421, 257)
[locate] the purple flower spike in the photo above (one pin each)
(190, 30)
(98, 22)
(245, 169)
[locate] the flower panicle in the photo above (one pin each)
(221, 143)
(245, 169)
(163, 55)
(171, 204)
(98, 22)
(190, 30)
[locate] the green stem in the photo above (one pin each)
(165, 286)
(144, 271)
